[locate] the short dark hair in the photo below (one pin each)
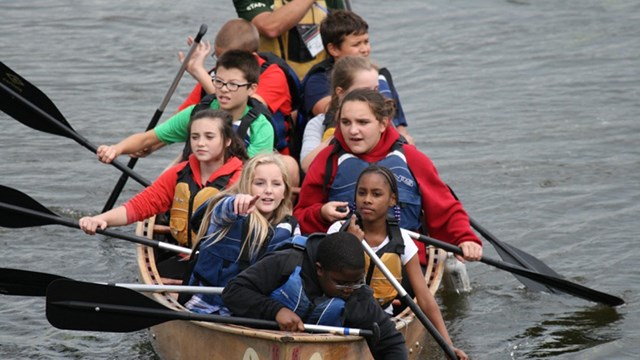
(339, 24)
(339, 251)
(242, 60)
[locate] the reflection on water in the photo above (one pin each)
(568, 333)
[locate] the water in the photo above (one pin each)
(528, 108)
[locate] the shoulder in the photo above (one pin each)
(248, 9)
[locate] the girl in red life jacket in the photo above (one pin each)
(376, 194)
(217, 154)
(364, 136)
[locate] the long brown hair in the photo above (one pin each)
(343, 76)
(381, 107)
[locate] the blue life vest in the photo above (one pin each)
(322, 311)
(349, 168)
(217, 263)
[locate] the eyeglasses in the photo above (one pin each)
(352, 286)
(231, 86)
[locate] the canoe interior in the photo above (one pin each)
(204, 340)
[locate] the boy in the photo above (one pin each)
(344, 33)
(235, 81)
(327, 271)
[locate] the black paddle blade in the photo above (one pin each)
(25, 283)
(21, 100)
(12, 198)
(75, 305)
(526, 261)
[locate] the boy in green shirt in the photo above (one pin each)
(235, 81)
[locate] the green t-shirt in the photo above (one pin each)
(261, 135)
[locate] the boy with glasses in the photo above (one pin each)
(319, 280)
(236, 81)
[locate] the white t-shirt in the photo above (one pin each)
(410, 248)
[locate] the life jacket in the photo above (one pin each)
(218, 262)
(286, 126)
(390, 254)
(256, 109)
(187, 197)
(290, 46)
(322, 311)
(349, 168)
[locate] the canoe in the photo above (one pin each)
(204, 340)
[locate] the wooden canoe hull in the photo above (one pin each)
(203, 340)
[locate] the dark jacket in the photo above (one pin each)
(248, 295)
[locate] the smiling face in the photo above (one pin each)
(207, 142)
(233, 101)
(269, 184)
(374, 198)
(360, 128)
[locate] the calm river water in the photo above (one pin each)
(530, 109)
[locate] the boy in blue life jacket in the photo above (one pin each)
(319, 280)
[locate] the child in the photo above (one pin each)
(364, 136)
(215, 164)
(240, 226)
(344, 33)
(328, 272)
(376, 195)
(350, 72)
(235, 81)
(273, 88)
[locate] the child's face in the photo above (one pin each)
(269, 184)
(340, 283)
(207, 141)
(352, 45)
(374, 197)
(363, 79)
(359, 126)
(231, 101)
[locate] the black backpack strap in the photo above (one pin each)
(328, 170)
(257, 109)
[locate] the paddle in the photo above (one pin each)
(32, 283)
(156, 117)
(19, 211)
(27, 104)
(548, 280)
(75, 305)
(515, 256)
(402, 293)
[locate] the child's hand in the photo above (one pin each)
(355, 229)
(90, 224)
(334, 211)
(197, 60)
(107, 153)
(461, 354)
(289, 321)
(472, 251)
(244, 204)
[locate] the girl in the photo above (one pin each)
(365, 136)
(376, 194)
(241, 225)
(215, 164)
(351, 72)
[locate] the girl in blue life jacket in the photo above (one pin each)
(240, 225)
(376, 196)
